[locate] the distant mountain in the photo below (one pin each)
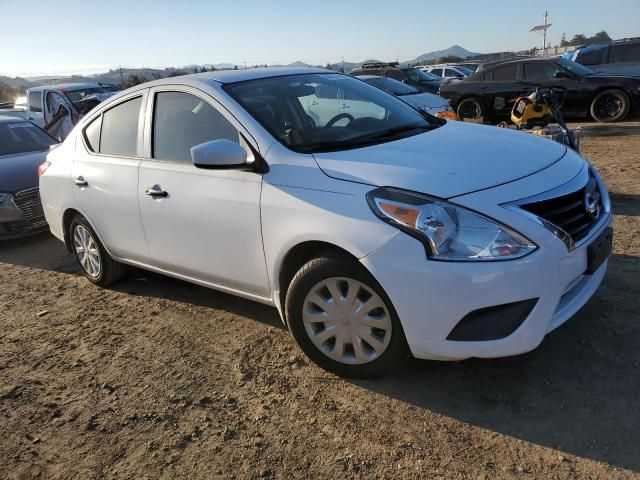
(15, 81)
(453, 51)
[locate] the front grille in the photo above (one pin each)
(575, 213)
(28, 202)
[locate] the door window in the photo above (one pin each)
(92, 134)
(182, 121)
(592, 55)
(540, 71)
(35, 101)
(505, 74)
(451, 73)
(437, 71)
(625, 53)
(119, 132)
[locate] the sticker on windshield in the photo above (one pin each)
(19, 125)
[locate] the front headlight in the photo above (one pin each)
(448, 231)
(5, 197)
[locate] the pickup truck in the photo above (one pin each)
(57, 108)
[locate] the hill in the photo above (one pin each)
(453, 51)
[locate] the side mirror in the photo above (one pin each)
(219, 154)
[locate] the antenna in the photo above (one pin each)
(543, 29)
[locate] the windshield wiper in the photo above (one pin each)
(392, 132)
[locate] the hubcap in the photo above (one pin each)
(609, 106)
(87, 251)
(346, 320)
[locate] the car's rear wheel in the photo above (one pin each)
(343, 320)
(470, 109)
(95, 262)
(610, 106)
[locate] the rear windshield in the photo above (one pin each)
(22, 137)
(78, 96)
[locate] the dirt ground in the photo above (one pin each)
(157, 378)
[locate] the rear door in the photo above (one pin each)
(206, 225)
(105, 176)
(624, 59)
(502, 92)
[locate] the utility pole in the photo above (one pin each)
(342, 64)
(544, 36)
(121, 77)
(543, 28)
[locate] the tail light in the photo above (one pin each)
(43, 168)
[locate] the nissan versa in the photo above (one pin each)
(376, 230)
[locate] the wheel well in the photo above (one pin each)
(298, 256)
(66, 225)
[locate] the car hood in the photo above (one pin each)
(452, 160)
(20, 171)
(426, 100)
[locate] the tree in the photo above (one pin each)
(579, 39)
(235, 67)
(133, 80)
(450, 59)
(601, 37)
(563, 40)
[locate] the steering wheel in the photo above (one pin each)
(337, 118)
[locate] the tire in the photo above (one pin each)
(98, 267)
(467, 106)
(367, 351)
(610, 105)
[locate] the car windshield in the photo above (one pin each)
(574, 67)
(418, 75)
(22, 137)
(392, 86)
(465, 70)
(327, 112)
(78, 96)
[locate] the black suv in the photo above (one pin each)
(423, 81)
(621, 57)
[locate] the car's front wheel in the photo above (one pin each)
(610, 106)
(343, 320)
(95, 262)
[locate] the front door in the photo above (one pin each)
(201, 223)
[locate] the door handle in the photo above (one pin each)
(156, 191)
(314, 103)
(81, 182)
(345, 106)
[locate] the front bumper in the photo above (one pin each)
(21, 214)
(431, 297)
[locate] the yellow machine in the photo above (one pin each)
(535, 112)
(531, 111)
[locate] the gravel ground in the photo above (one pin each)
(157, 378)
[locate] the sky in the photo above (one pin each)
(88, 36)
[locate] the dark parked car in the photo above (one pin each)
(23, 148)
(423, 81)
(489, 94)
(621, 57)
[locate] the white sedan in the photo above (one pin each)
(376, 231)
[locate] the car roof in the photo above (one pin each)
(8, 119)
(489, 65)
(72, 86)
(234, 76)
